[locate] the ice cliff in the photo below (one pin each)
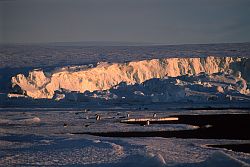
(104, 76)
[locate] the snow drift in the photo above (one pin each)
(106, 75)
(201, 87)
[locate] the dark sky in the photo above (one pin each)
(154, 21)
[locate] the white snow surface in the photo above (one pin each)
(50, 143)
(37, 133)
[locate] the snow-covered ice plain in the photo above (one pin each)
(68, 105)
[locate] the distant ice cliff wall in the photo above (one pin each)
(104, 76)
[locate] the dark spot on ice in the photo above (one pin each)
(98, 117)
(65, 125)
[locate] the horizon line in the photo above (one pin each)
(113, 43)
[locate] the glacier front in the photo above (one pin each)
(105, 76)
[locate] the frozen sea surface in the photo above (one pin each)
(47, 55)
(37, 137)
